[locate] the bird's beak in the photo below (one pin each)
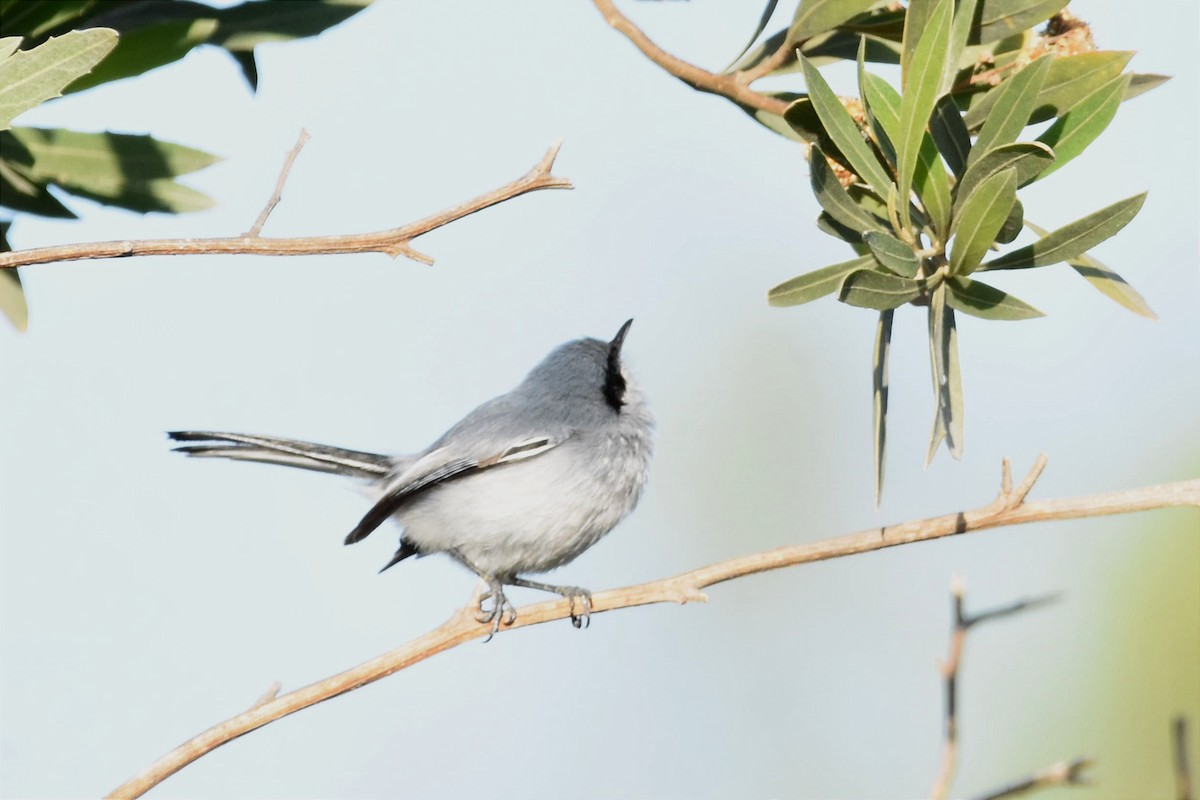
(619, 339)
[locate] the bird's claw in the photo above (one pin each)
(573, 593)
(501, 612)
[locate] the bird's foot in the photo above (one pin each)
(501, 611)
(575, 595)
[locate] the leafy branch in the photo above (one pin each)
(1008, 508)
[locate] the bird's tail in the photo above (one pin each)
(285, 452)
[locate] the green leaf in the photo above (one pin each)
(916, 18)
(843, 130)
(1011, 228)
(143, 49)
(1074, 131)
(947, 379)
(950, 134)
(960, 32)
(763, 19)
(20, 192)
(868, 288)
(30, 77)
(921, 88)
(988, 302)
(1070, 79)
(879, 374)
(1027, 158)
(893, 253)
(816, 284)
(817, 16)
(1071, 241)
(843, 45)
(827, 224)
(129, 171)
(12, 299)
(244, 26)
(930, 180)
(774, 122)
(1142, 82)
(1106, 281)
(833, 196)
(36, 18)
(982, 215)
(1001, 18)
(1015, 101)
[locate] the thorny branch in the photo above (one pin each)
(735, 87)
(949, 669)
(394, 242)
(1009, 508)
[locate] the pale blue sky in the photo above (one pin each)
(144, 597)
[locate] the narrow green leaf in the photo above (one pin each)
(842, 45)
(37, 18)
(937, 369)
(143, 49)
(816, 284)
(1070, 79)
(1106, 280)
(247, 25)
(960, 32)
(843, 130)
(817, 16)
(30, 77)
(73, 157)
(868, 288)
(827, 224)
(776, 123)
(893, 253)
(980, 300)
(12, 299)
(20, 192)
(980, 219)
(1026, 158)
(1074, 131)
(1073, 240)
(1142, 82)
(763, 19)
(752, 58)
(1015, 100)
(930, 180)
(1011, 228)
(950, 134)
(916, 19)
(921, 88)
(1001, 18)
(879, 374)
(833, 196)
(953, 388)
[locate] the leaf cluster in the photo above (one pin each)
(56, 47)
(922, 181)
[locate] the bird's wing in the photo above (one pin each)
(444, 464)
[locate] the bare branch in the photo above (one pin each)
(283, 176)
(963, 622)
(270, 694)
(735, 88)
(683, 588)
(1064, 773)
(394, 242)
(1183, 772)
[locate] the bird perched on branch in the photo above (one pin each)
(523, 484)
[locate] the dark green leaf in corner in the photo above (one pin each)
(1074, 131)
(868, 288)
(1074, 239)
(893, 253)
(1016, 99)
(12, 296)
(1106, 281)
(947, 379)
(879, 372)
(816, 284)
(982, 215)
(980, 300)
(143, 49)
(937, 323)
(843, 130)
(1142, 82)
(763, 19)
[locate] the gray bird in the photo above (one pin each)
(523, 484)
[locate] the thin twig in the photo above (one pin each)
(683, 588)
(734, 88)
(394, 242)
(1064, 773)
(1183, 772)
(283, 176)
(963, 622)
